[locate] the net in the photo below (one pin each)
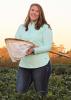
(17, 48)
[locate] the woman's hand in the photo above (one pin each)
(29, 51)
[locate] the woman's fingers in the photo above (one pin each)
(29, 51)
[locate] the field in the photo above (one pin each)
(59, 84)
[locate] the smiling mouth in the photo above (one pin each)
(33, 15)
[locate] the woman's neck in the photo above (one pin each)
(33, 22)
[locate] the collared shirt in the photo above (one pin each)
(42, 38)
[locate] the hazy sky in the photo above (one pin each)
(57, 13)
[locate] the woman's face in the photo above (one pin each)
(34, 13)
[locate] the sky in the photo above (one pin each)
(57, 14)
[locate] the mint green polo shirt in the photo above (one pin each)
(42, 38)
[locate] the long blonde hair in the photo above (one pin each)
(41, 20)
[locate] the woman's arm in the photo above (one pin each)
(47, 41)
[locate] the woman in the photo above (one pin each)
(36, 66)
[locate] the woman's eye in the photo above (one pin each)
(32, 9)
(37, 11)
